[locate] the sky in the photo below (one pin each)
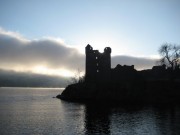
(49, 36)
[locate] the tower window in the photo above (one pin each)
(97, 71)
(97, 64)
(96, 58)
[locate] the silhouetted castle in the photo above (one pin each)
(98, 67)
(123, 83)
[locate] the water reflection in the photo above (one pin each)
(168, 119)
(134, 120)
(156, 120)
(34, 111)
(97, 119)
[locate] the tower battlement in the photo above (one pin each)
(98, 65)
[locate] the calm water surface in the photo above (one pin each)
(33, 111)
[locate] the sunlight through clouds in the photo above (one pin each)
(47, 71)
(53, 56)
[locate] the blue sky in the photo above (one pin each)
(130, 27)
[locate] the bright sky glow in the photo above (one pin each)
(130, 27)
(47, 71)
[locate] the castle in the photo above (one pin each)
(98, 66)
(123, 84)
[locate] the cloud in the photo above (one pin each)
(10, 78)
(12, 35)
(16, 51)
(21, 54)
(139, 62)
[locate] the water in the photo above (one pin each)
(33, 111)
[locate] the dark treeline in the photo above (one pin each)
(21, 79)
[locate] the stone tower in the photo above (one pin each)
(98, 65)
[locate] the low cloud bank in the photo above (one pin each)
(16, 79)
(19, 53)
(16, 51)
(139, 63)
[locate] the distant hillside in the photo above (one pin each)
(21, 79)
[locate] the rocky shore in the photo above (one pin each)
(162, 91)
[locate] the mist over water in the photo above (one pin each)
(34, 111)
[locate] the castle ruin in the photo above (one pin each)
(98, 65)
(123, 83)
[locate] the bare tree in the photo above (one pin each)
(170, 55)
(77, 78)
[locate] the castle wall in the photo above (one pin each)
(98, 69)
(91, 66)
(98, 65)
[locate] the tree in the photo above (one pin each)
(77, 78)
(170, 55)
